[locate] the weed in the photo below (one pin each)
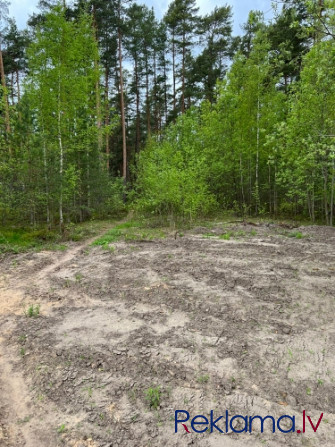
(33, 311)
(24, 420)
(226, 236)
(78, 277)
(112, 235)
(290, 353)
(134, 417)
(321, 382)
(22, 352)
(203, 379)
(61, 428)
(89, 390)
(308, 391)
(153, 397)
(22, 338)
(296, 234)
(253, 233)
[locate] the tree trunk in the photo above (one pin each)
(107, 119)
(147, 96)
(325, 192)
(174, 71)
(18, 85)
(5, 96)
(138, 115)
(257, 160)
(183, 78)
(123, 118)
(165, 93)
(61, 158)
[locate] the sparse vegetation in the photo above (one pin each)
(32, 311)
(61, 429)
(153, 397)
(203, 378)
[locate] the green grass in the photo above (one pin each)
(18, 240)
(203, 379)
(33, 311)
(153, 397)
(130, 231)
(296, 234)
(61, 428)
(226, 236)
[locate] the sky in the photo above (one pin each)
(21, 9)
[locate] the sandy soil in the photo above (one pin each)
(245, 324)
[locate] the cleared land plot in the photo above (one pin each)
(100, 344)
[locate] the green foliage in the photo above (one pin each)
(153, 397)
(129, 231)
(18, 240)
(56, 172)
(33, 311)
(172, 174)
(61, 429)
(203, 379)
(226, 236)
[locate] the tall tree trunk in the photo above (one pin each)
(18, 85)
(97, 84)
(138, 115)
(5, 95)
(174, 70)
(98, 110)
(242, 182)
(165, 92)
(147, 96)
(155, 95)
(12, 88)
(325, 192)
(123, 118)
(61, 158)
(183, 77)
(257, 160)
(107, 118)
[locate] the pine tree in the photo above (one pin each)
(215, 31)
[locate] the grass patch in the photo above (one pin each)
(130, 231)
(18, 239)
(296, 234)
(33, 311)
(203, 379)
(153, 397)
(226, 236)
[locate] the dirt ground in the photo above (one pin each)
(244, 324)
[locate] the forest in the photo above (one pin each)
(106, 108)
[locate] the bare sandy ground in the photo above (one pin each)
(245, 324)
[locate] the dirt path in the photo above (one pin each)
(18, 424)
(244, 324)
